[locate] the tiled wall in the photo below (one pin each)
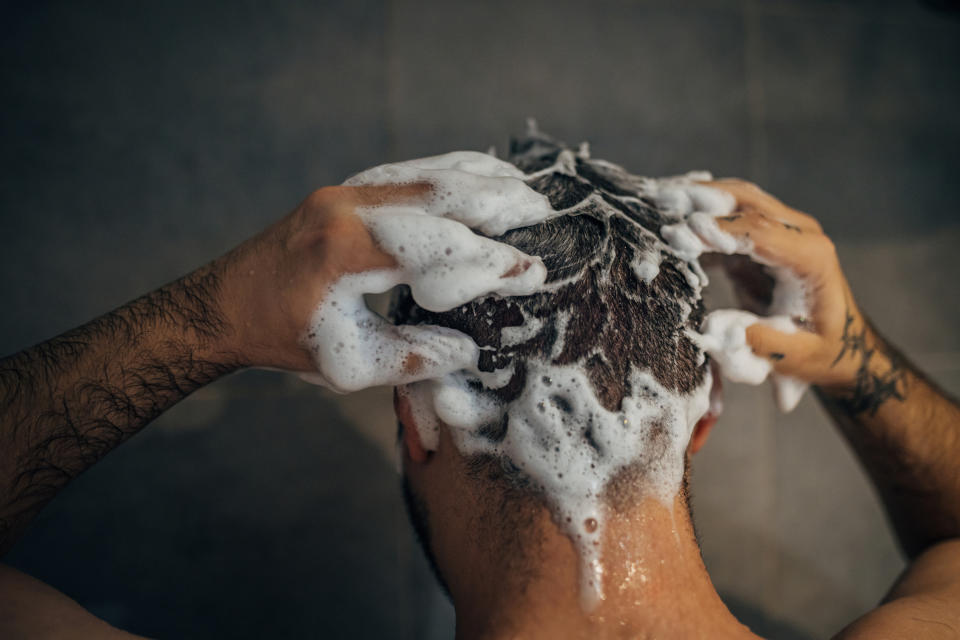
(137, 142)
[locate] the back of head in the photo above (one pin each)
(596, 376)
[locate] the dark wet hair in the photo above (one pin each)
(599, 313)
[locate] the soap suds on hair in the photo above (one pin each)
(570, 446)
(724, 331)
(443, 261)
(474, 188)
(560, 435)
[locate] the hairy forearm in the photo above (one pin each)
(67, 402)
(906, 432)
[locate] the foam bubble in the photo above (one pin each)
(440, 258)
(477, 189)
(695, 207)
(724, 337)
(558, 433)
(570, 446)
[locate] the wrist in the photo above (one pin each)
(872, 372)
(264, 314)
(196, 314)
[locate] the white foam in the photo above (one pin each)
(511, 336)
(695, 208)
(548, 425)
(475, 188)
(440, 258)
(724, 337)
(559, 434)
(570, 446)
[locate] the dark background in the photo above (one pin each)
(138, 140)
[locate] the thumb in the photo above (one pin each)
(793, 354)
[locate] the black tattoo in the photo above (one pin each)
(67, 402)
(870, 390)
(850, 342)
(777, 356)
(791, 227)
(731, 217)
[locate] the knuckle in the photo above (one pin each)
(827, 247)
(808, 219)
(324, 196)
(756, 338)
(758, 219)
(749, 188)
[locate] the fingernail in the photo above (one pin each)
(412, 364)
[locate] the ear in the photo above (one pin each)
(703, 427)
(702, 430)
(411, 435)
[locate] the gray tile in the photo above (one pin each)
(907, 286)
(139, 143)
(860, 120)
(866, 181)
(659, 89)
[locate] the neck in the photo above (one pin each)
(655, 585)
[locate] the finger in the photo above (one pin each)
(384, 194)
(491, 203)
(750, 196)
(474, 162)
(354, 348)
(803, 252)
(446, 264)
(467, 161)
(684, 198)
(795, 354)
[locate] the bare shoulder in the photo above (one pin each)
(924, 603)
(31, 609)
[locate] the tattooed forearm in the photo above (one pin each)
(875, 383)
(67, 402)
(904, 429)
